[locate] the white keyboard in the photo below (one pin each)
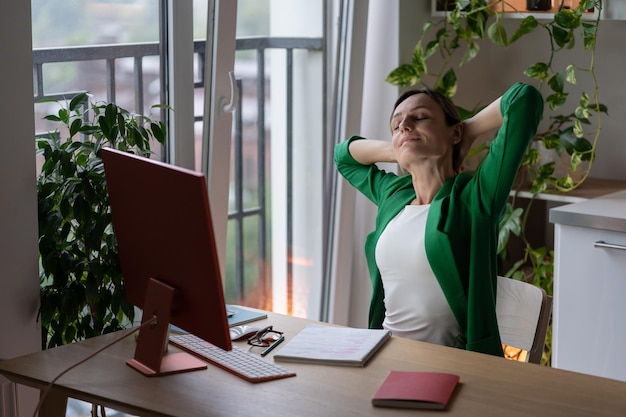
(237, 361)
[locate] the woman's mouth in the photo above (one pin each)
(408, 139)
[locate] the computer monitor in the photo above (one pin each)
(164, 230)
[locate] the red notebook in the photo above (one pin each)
(427, 390)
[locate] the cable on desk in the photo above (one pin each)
(45, 392)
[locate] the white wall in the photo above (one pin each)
(19, 283)
(611, 65)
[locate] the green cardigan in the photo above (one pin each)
(463, 220)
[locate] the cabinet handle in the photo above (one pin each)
(603, 244)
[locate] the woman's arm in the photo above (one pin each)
(356, 159)
(520, 111)
(368, 151)
(486, 120)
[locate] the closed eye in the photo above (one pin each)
(411, 119)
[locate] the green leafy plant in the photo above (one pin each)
(572, 129)
(82, 291)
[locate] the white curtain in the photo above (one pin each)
(364, 99)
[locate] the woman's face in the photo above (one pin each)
(419, 131)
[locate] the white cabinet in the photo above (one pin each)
(589, 315)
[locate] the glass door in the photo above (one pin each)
(264, 60)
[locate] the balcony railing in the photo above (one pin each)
(114, 56)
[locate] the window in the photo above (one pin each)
(108, 48)
(274, 147)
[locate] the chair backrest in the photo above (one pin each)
(523, 312)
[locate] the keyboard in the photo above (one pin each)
(237, 361)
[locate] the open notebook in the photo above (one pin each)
(330, 345)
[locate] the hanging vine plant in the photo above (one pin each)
(574, 124)
(456, 39)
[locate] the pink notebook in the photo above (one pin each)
(426, 390)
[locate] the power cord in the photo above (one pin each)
(132, 331)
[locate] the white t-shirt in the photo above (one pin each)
(415, 305)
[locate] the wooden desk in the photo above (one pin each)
(490, 386)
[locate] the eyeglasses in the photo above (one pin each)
(265, 337)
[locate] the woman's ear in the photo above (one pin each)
(457, 133)
(459, 151)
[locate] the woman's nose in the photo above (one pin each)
(405, 124)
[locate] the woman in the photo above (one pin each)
(432, 256)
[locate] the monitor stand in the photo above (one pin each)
(151, 358)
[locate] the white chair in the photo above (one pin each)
(523, 311)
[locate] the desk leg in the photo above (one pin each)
(54, 405)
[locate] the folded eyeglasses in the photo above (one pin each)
(265, 337)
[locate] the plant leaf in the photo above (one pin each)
(561, 36)
(589, 36)
(567, 18)
(431, 48)
(599, 107)
(417, 59)
(570, 74)
(538, 71)
(556, 100)
(510, 223)
(571, 143)
(64, 116)
(476, 23)
(448, 84)
(472, 51)
(556, 82)
(578, 128)
(157, 131)
(52, 118)
(78, 100)
(527, 25)
(551, 141)
(75, 127)
(403, 76)
(497, 33)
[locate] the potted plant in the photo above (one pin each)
(82, 291)
(573, 124)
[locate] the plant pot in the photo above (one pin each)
(538, 4)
